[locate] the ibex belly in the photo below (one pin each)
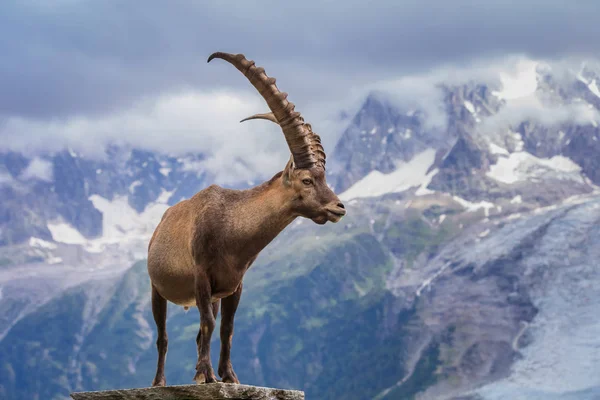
(170, 265)
(173, 278)
(173, 273)
(178, 290)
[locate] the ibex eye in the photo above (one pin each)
(307, 182)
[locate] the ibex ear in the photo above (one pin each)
(287, 172)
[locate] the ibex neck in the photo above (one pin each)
(265, 213)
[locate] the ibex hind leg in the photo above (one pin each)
(204, 370)
(228, 310)
(159, 311)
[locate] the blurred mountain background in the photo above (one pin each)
(466, 267)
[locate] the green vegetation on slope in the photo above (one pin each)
(415, 234)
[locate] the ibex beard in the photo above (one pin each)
(203, 246)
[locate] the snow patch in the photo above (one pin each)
(422, 190)
(39, 169)
(516, 200)
(472, 207)
(40, 243)
(121, 222)
(521, 166)
(407, 175)
(165, 171)
(134, 185)
(469, 106)
(594, 88)
(495, 149)
(54, 260)
(519, 141)
(427, 282)
(64, 233)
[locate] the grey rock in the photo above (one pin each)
(211, 391)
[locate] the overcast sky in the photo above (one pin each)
(86, 67)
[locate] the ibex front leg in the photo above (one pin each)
(204, 370)
(228, 309)
(159, 310)
(215, 310)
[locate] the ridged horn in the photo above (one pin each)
(299, 138)
(315, 139)
(268, 116)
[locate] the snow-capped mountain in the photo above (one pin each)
(66, 199)
(464, 268)
(493, 139)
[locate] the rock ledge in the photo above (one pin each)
(211, 391)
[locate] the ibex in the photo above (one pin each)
(203, 246)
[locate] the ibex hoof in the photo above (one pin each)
(228, 375)
(231, 379)
(205, 375)
(159, 381)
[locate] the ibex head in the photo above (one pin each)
(312, 198)
(304, 174)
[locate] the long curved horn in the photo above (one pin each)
(299, 138)
(315, 139)
(268, 116)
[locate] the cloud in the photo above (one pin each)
(62, 58)
(5, 178)
(530, 108)
(206, 121)
(524, 102)
(38, 169)
(424, 91)
(178, 124)
(86, 73)
(172, 123)
(512, 77)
